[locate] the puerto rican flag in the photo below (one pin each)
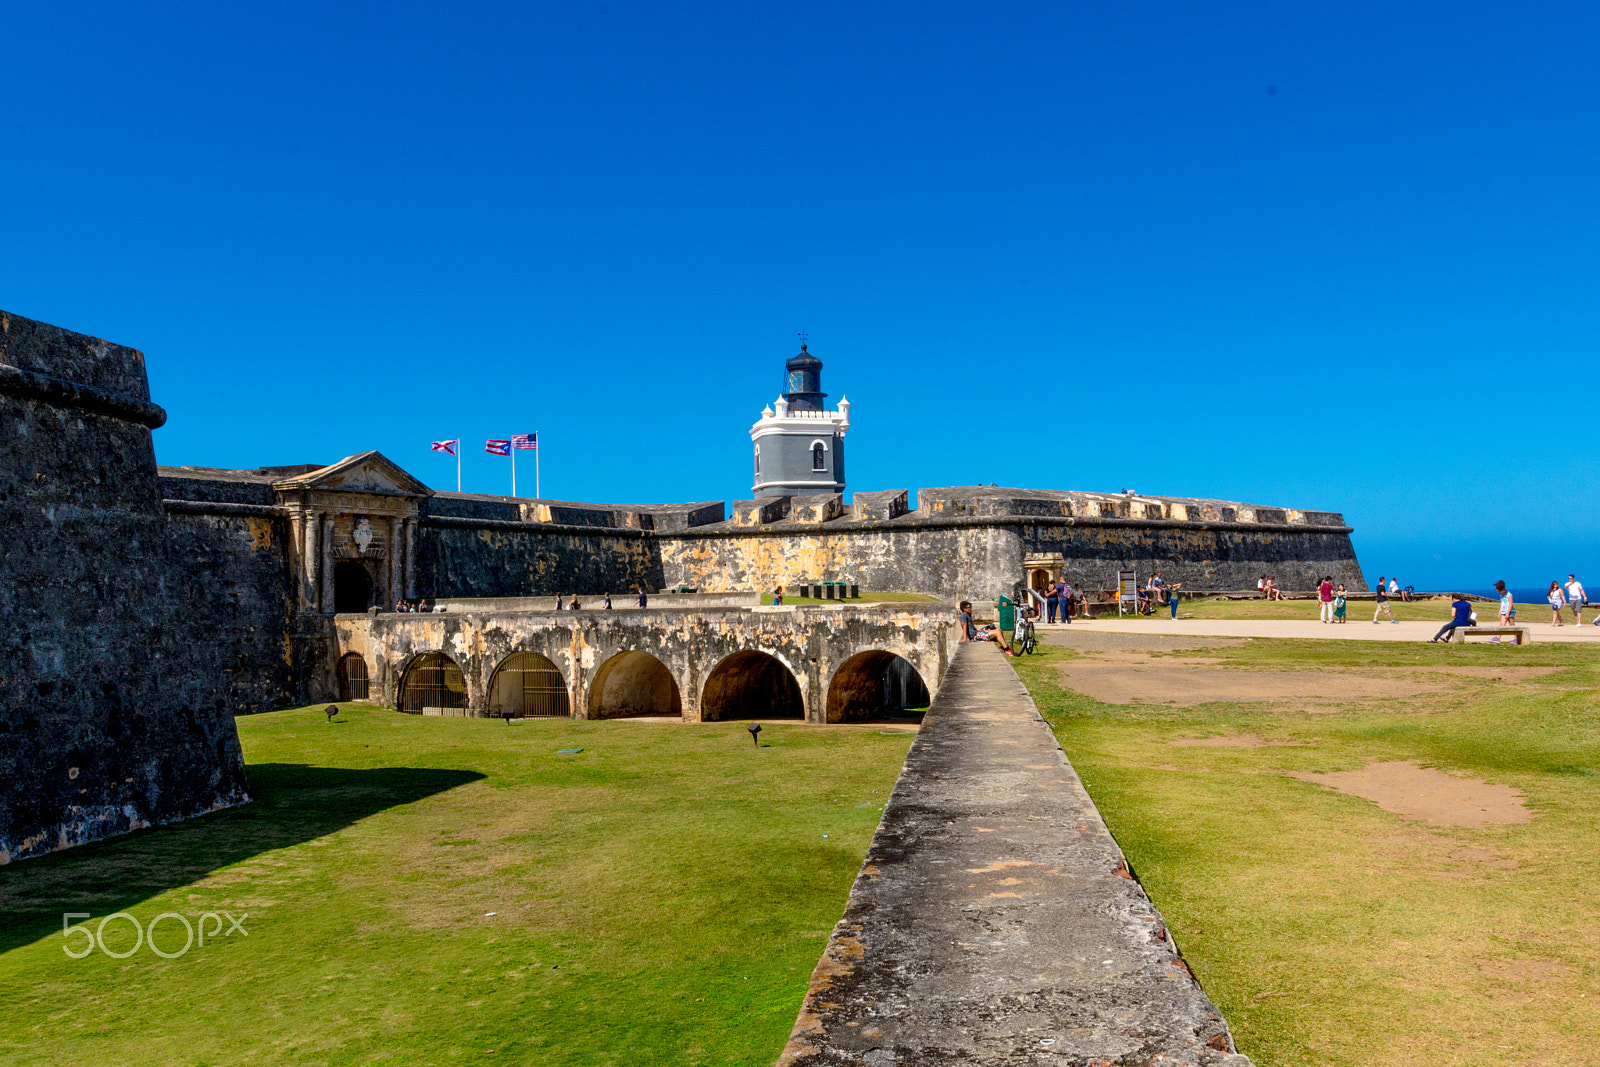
(446, 446)
(497, 448)
(525, 440)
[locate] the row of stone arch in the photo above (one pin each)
(744, 685)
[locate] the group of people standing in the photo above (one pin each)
(1067, 599)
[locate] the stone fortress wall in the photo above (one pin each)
(146, 606)
(129, 642)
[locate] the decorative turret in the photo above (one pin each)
(799, 444)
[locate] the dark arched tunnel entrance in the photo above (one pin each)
(876, 685)
(751, 685)
(633, 683)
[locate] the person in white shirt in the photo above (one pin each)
(1576, 598)
(1394, 585)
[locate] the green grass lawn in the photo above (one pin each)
(659, 898)
(1332, 932)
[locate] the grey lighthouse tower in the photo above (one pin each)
(799, 443)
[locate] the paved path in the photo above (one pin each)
(1357, 629)
(994, 921)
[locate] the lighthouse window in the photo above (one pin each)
(819, 457)
(758, 459)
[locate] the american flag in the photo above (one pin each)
(497, 448)
(446, 446)
(525, 440)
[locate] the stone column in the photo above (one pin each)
(396, 562)
(411, 557)
(327, 565)
(308, 561)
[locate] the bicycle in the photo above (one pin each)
(1022, 642)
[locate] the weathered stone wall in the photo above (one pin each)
(112, 716)
(813, 644)
(232, 576)
(956, 561)
(979, 557)
(458, 557)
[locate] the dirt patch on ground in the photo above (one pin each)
(1092, 641)
(1123, 677)
(1505, 674)
(1540, 970)
(1407, 788)
(1234, 741)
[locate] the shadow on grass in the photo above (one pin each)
(292, 803)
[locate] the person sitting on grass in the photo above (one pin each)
(971, 632)
(1463, 617)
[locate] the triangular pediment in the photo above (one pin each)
(367, 472)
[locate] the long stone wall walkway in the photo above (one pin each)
(994, 920)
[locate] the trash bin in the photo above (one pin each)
(1006, 611)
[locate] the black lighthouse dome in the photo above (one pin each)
(803, 387)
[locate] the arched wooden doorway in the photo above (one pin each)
(433, 685)
(352, 586)
(527, 685)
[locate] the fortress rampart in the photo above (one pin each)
(146, 606)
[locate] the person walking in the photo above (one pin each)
(1340, 603)
(1383, 603)
(1325, 596)
(1172, 597)
(1576, 598)
(1558, 601)
(777, 597)
(1462, 617)
(608, 601)
(1052, 602)
(1508, 606)
(644, 601)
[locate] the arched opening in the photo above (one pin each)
(433, 686)
(751, 685)
(819, 457)
(526, 685)
(352, 586)
(633, 683)
(352, 671)
(1040, 580)
(876, 685)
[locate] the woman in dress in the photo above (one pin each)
(1558, 600)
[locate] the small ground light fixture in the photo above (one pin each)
(506, 715)
(754, 728)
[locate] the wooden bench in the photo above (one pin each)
(1463, 632)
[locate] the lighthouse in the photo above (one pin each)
(799, 443)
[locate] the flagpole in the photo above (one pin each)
(458, 465)
(513, 451)
(536, 493)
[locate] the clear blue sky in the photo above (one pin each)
(1344, 257)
